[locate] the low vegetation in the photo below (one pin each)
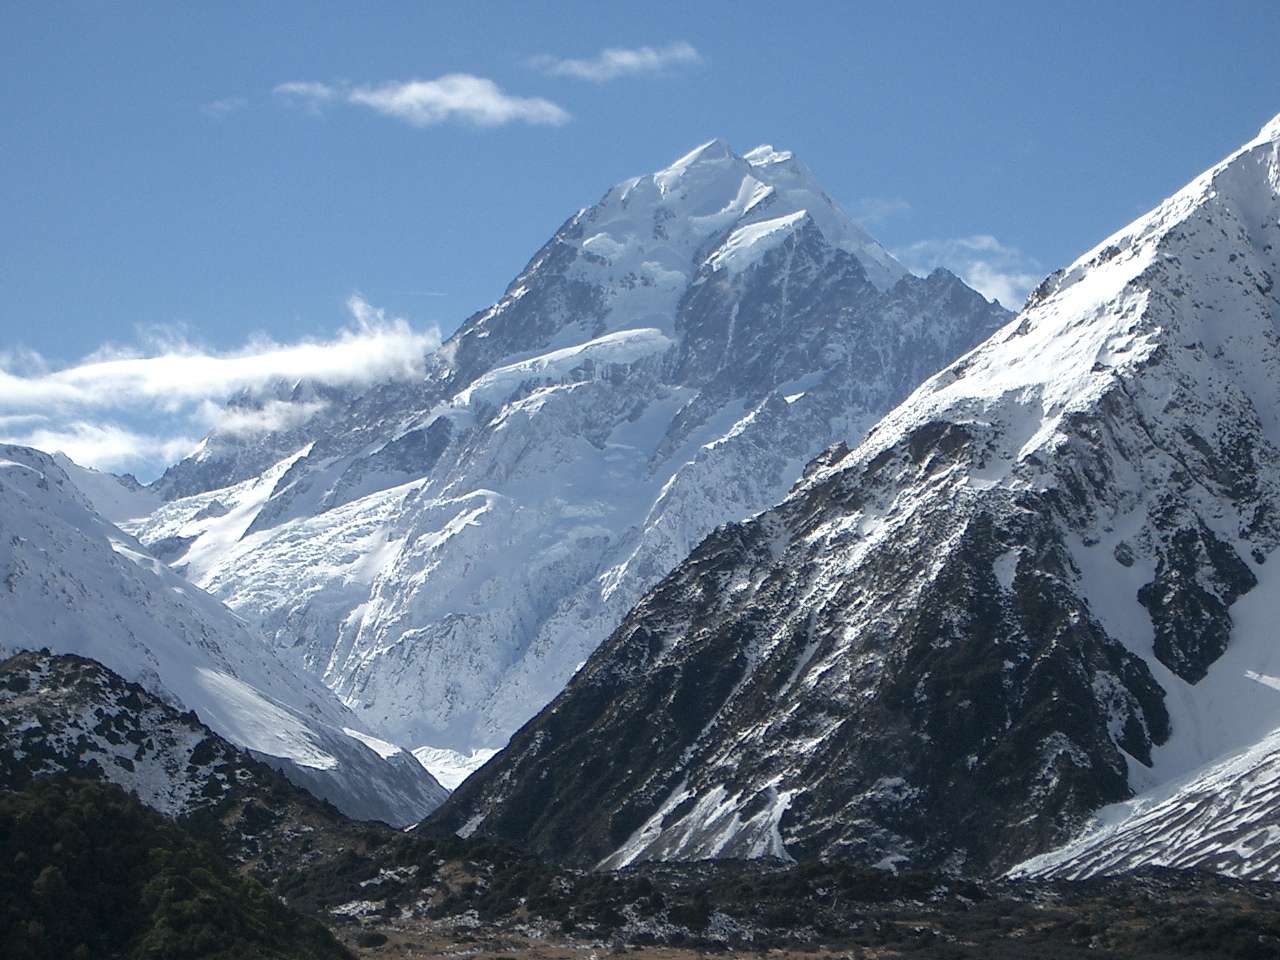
(88, 873)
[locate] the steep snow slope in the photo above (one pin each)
(74, 583)
(1224, 817)
(445, 554)
(1038, 586)
(116, 498)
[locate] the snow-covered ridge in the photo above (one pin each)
(745, 244)
(77, 584)
(1089, 324)
(621, 348)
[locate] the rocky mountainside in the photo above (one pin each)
(1038, 587)
(445, 554)
(63, 714)
(72, 582)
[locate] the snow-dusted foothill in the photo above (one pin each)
(1042, 586)
(63, 714)
(445, 553)
(72, 582)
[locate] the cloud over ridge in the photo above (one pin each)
(84, 408)
(996, 270)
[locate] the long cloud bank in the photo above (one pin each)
(141, 409)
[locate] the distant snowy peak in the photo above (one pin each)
(445, 553)
(627, 261)
(723, 193)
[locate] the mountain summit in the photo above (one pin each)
(444, 554)
(1039, 586)
(628, 260)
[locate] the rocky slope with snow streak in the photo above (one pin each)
(444, 554)
(63, 714)
(1038, 587)
(1224, 818)
(72, 582)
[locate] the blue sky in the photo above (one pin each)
(225, 178)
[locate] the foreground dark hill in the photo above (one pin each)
(245, 856)
(89, 873)
(1038, 587)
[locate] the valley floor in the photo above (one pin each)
(740, 910)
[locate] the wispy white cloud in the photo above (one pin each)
(306, 94)
(615, 62)
(306, 90)
(455, 97)
(272, 416)
(995, 270)
(871, 211)
(221, 108)
(98, 406)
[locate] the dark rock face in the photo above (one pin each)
(803, 704)
(754, 332)
(1196, 583)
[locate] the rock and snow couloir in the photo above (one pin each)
(75, 584)
(1039, 586)
(445, 553)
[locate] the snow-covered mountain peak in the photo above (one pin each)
(1270, 131)
(445, 554)
(722, 191)
(713, 153)
(1093, 323)
(765, 154)
(628, 261)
